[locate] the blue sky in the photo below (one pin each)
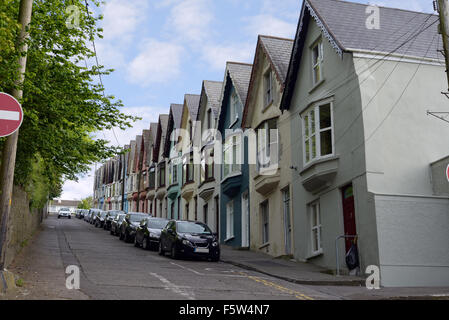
(162, 49)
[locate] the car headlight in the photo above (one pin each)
(187, 243)
(214, 244)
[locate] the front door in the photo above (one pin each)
(287, 221)
(217, 216)
(349, 215)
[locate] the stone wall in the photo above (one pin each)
(23, 223)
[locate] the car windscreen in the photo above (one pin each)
(113, 214)
(64, 209)
(157, 223)
(136, 217)
(103, 214)
(193, 227)
(120, 218)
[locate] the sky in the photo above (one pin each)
(163, 49)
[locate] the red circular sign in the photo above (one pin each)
(11, 114)
(447, 172)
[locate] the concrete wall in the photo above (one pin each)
(439, 178)
(413, 240)
(23, 223)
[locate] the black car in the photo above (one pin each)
(100, 219)
(116, 223)
(109, 217)
(92, 215)
(82, 213)
(189, 239)
(130, 225)
(149, 232)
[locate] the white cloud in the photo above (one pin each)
(269, 25)
(190, 19)
(158, 62)
(217, 55)
(79, 190)
(121, 18)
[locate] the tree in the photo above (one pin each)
(86, 203)
(63, 103)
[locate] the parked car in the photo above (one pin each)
(130, 225)
(64, 212)
(189, 239)
(116, 224)
(92, 215)
(149, 232)
(100, 219)
(77, 213)
(109, 217)
(84, 212)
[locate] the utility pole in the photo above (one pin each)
(443, 9)
(10, 146)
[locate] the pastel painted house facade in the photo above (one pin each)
(234, 189)
(208, 185)
(152, 167)
(160, 203)
(365, 144)
(270, 160)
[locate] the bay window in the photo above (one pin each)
(161, 175)
(318, 132)
(187, 169)
(152, 178)
(207, 164)
(267, 145)
(232, 155)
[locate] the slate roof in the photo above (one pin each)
(193, 104)
(240, 74)
(346, 22)
(160, 137)
(279, 52)
(153, 129)
(176, 111)
(213, 92)
(343, 23)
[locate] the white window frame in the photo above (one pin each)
(236, 153)
(268, 87)
(315, 110)
(264, 143)
(314, 209)
(319, 61)
(233, 112)
(230, 220)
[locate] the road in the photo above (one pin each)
(113, 269)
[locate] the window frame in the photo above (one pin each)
(319, 61)
(268, 96)
(314, 208)
(265, 130)
(317, 134)
(235, 168)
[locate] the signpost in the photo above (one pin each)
(11, 115)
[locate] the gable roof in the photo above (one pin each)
(278, 52)
(213, 91)
(343, 23)
(174, 122)
(193, 105)
(238, 75)
(160, 137)
(137, 154)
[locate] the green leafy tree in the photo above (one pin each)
(86, 203)
(64, 106)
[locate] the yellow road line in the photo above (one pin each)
(276, 286)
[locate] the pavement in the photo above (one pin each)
(286, 269)
(113, 270)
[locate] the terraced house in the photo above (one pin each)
(269, 174)
(160, 203)
(172, 152)
(208, 186)
(190, 172)
(234, 173)
(358, 105)
(152, 166)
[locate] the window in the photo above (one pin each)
(232, 155)
(233, 113)
(207, 164)
(267, 145)
(318, 132)
(264, 218)
(209, 119)
(187, 169)
(173, 172)
(314, 210)
(161, 174)
(317, 61)
(230, 219)
(268, 85)
(152, 178)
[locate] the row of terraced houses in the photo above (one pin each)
(335, 123)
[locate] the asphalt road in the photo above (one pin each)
(113, 269)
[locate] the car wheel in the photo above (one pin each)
(121, 235)
(59, 217)
(174, 252)
(70, 217)
(215, 259)
(136, 243)
(161, 251)
(110, 232)
(126, 237)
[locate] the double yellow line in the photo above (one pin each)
(298, 295)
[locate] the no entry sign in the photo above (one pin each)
(11, 115)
